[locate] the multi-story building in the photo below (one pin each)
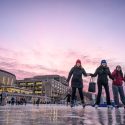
(7, 78)
(53, 86)
(7, 83)
(13, 89)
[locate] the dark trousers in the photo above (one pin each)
(80, 93)
(106, 87)
(118, 90)
(68, 101)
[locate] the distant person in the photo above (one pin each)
(17, 100)
(25, 101)
(12, 101)
(77, 82)
(68, 98)
(117, 86)
(0, 98)
(21, 101)
(103, 72)
(38, 101)
(3, 98)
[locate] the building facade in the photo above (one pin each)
(7, 84)
(7, 78)
(53, 86)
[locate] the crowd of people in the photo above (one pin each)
(4, 99)
(103, 73)
(18, 101)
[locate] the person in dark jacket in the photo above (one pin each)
(68, 98)
(0, 98)
(38, 101)
(103, 72)
(77, 82)
(12, 101)
(117, 86)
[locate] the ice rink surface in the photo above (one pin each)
(60, 115)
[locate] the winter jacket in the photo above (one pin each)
(76, 74)
(103, 73)
(118, 78)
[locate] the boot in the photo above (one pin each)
(110, 107)
(83, 104)
(96, 105)
(72, 104)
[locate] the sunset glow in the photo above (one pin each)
(47, 36)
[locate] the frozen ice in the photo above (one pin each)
(60, 115)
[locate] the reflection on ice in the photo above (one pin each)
(60, 115)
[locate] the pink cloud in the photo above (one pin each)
(46, 62)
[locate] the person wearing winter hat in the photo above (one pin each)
(117, 86)
(77, 82)
(103, 72)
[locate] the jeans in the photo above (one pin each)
(106, 87)
(118, 90)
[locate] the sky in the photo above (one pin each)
(39, 37)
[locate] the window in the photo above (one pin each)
(4, 79)
(30, 83)
(8, 79)
(38, 83)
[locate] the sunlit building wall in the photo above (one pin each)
(7, 78)
(53, 86)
